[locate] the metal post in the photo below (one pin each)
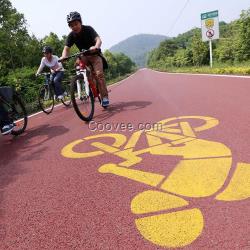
(211, 53)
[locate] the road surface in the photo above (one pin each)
(167, 165)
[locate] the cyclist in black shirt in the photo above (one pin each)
(85, 37)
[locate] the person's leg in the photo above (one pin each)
(97, 64)
(58, 83)
(6, 124)
(4, 118)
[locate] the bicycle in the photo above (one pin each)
(47, 98)
(13, 104)
(84, 87)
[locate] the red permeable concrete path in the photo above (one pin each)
(165, 166)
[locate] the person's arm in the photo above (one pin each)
(98, 43)
(65, 52)
(59, 64)
(41, 67)
(68, 44)
(77, 62)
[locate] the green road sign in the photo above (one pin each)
(211, 14)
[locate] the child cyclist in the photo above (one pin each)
(56, 68)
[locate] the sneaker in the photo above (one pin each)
(60, 97)
(105, 102)
(7, 129)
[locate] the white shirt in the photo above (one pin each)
(53, 64)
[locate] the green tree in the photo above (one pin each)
(225, 50)
(227, 46)
(53, 41)
(125, 64)
(113, 65)
(199, 50)
(244, 36)
(33, 52)
(13, 37)
(167, 48)
(182, 58)
(119, 64)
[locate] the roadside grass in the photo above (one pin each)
(218, 68)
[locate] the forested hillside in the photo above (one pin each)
(187, 49)
(137, 47)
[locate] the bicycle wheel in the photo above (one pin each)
(18, 115)
(46, 99)
(83, 99)
(66, 101)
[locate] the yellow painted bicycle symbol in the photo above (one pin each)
(202, 170)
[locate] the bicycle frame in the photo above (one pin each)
(86, 72)
(84, 86)
(49, 83)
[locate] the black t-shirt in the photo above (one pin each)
(83, 40)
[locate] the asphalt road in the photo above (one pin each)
(167, 165)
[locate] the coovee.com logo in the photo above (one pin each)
(123, 126)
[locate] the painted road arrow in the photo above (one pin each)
(166, 166)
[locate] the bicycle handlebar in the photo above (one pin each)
(83, 52)
(44, 74)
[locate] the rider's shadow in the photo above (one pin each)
(12, 150)
(119, 107)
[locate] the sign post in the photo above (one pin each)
(210, 29)
(211, 53)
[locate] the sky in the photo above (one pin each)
(116, 20)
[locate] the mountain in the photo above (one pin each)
(138, 46)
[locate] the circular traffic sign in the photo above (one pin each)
(210, 33)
